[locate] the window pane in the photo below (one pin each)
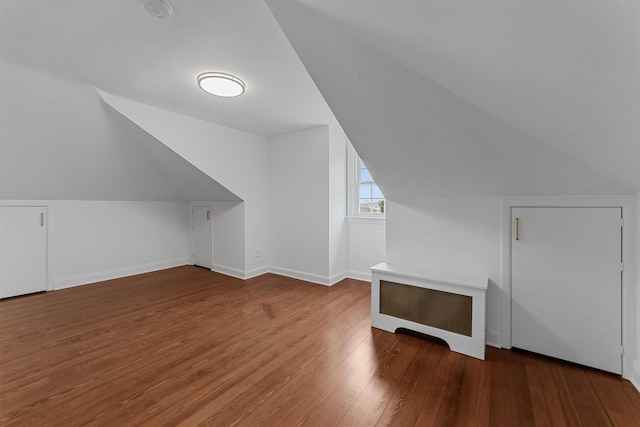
(377, 205)
(365, 176)
(376, 193)
(370, 198)
(365, 191)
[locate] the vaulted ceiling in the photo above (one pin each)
(485, 98)
(116, 46)
(441, 98)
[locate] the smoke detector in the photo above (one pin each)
(158, 8)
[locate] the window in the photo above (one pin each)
(365, 198)
(370, 198)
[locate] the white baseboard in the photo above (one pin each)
(85, 279)
(635, 375)
(493, 338)
(337, 278)
(358, 275)
(256, 272)
(307, 277)
(228, 271)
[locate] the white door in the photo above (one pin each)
(202, 236)
(23, 250)
(566, 284)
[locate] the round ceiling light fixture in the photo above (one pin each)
(158, 8)
(221, 84)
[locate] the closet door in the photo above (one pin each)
(567, 284)
(23, 250)
(202, 237)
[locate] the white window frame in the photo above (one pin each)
(353, 185)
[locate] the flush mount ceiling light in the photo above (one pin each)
(221, 84)
(158, 8)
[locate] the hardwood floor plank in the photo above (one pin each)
(187, 346)
(545, 397)
(436, 388)
(509, 384)
(610, 390)
(273, 375)
(473, 402)
(400, 398)
(450, 398)
(428, 363)
(371, 402)
(589, 408)
(362, 365)
(290, 404)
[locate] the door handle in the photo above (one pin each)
(517, 228)
(208, 214)
(41, 219)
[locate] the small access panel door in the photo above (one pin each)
(23, 250)
(567, 284)
(202, 236)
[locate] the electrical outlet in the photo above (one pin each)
(258, 252)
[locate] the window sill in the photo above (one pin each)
(363, 219)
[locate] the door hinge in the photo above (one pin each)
(621, 222)
(621, 266)
(622, 350)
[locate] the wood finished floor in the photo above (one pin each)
(186, 346)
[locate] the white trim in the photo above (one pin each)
(358, 275)
(256, 272)
(373, 220)
(27, 203)
(462, 281)
(352, 178)
(228, 271)
(307, 277)
(635, 376)
(627, 203)
(493, 338)
(337, 278)
(116, 273)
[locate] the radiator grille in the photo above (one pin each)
(439, 309)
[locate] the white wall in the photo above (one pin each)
(90, 241)
(58, 142)
(298, 208)
(228, 237)
(237, 160)
(337, 203)
(469, 235)
(366, 236)
(366, 246)
(636, 366)
(457, 234)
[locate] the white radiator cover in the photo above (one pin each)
(472, 286)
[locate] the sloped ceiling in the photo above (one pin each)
(62, 143)
(116, 46)
(440, 98)
(59, 141)
(485, 98)
(188, 181)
